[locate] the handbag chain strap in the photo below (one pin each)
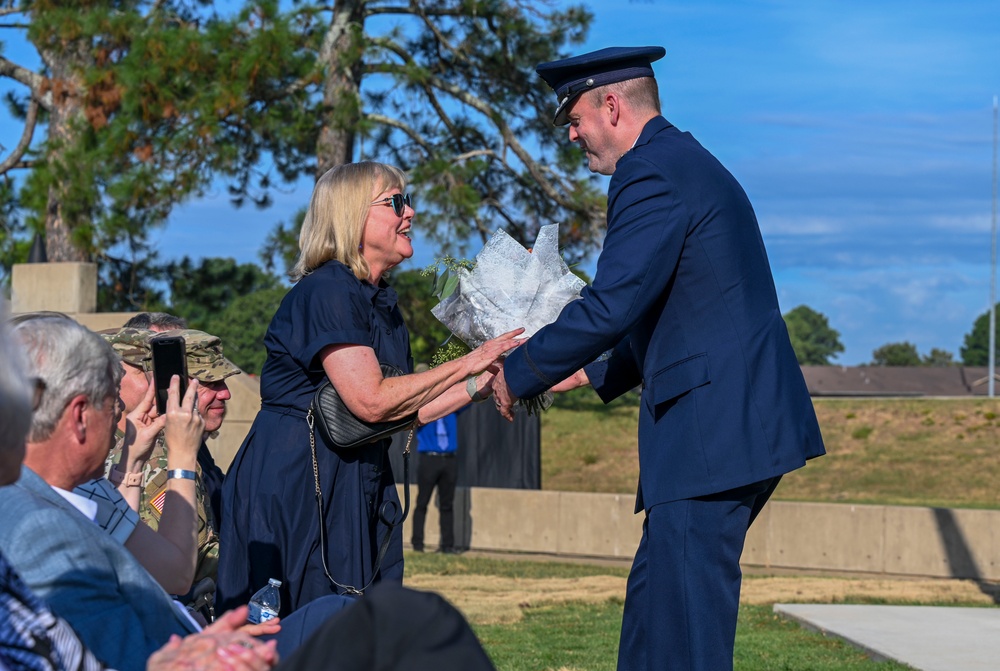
(390, 523)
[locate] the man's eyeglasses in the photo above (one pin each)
(396, 201)
(39, 390)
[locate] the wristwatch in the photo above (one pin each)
(473, 391)
(131, 479)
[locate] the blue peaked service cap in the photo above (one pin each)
(570, 77)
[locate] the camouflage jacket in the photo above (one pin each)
(154, 489)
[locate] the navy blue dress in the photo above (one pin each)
(270, 523)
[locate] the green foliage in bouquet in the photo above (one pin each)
(445, 271)
(450, 350)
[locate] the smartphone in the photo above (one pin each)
(169, 359)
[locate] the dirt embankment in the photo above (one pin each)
(494, 600)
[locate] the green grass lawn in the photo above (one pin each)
(584, 636)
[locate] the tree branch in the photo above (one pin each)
(31, 119)
(27, 77)
(474, 153)
(399, 125)
(441, 39)
(553, 185)
(393, 47)
(510, 140)
(408, 9)
(13, 9)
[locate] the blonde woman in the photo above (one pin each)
(338, 323)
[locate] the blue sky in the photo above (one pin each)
(862, 132)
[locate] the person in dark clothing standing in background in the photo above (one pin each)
(437, 443)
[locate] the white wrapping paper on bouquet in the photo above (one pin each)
(510, 287)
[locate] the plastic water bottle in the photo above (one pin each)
(266, 603)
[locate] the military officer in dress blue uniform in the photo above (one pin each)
(683, 304)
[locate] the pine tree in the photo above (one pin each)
(138, 106)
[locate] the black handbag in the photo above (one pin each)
(345, 431)
(341, 428)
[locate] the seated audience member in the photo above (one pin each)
(119, 617)
(83, 574)
(129, 464)
(391, 628)
(31, 635)
(211, 475)
(206, 364)
(169, 553)
(140, 469)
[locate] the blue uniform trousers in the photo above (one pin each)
(683, 590)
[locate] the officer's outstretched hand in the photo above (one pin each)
(503, 397)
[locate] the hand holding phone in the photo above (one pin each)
(169, 359)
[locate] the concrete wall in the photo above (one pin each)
(60, 287)
(888, 540)
(71, 288)
(893, 540)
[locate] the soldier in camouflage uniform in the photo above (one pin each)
(132, 345)
(206, 364)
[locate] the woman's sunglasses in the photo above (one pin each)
(397, 201)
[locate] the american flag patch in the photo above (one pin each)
(157, 501)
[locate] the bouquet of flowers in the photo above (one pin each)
(508, 287)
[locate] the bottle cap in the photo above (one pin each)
(275, 582)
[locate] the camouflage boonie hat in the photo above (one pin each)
(204, 355)
(132, 345)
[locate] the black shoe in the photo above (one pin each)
(450, 551)
(418, 548)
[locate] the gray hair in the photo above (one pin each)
(162, 320)
(15, 391)
(70, 360)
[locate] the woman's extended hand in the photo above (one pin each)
(574, 381)
(184, 424)
(491, 351)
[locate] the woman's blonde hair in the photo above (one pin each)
(335, 221)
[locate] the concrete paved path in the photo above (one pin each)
(928, 638)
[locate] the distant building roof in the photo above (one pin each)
(898, 380)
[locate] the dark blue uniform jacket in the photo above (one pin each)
(684, 298)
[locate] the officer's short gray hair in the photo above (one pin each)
(641, 92)
(15, 390)
(70, 360)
